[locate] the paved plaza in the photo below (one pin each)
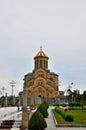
(11, 113)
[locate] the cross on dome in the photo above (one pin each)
(41, 53)
(40, 47)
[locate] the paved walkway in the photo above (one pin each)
(51, 124)
(50, 121)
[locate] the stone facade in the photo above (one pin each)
(38, 85)
(41, 82)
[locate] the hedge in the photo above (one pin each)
(66, 116)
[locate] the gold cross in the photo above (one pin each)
(40, 47)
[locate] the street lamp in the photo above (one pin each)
(12, 84)
(3, 88)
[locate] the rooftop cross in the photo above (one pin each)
(12, 84)
(40, 47)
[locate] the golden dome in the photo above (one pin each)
(41, 53)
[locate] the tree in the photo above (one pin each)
(77, 99)
(84, 95)
(84, 98)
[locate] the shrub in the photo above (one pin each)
(46, 104)
(69, 118)
(66, 116)
(43, 110)
(76, 108)
(37, 122)
(74, 104)
(58, 109)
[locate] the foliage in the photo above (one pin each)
(46, 104)
(84, 98)
(80, 99)
(77, 108)
(74, 104)
(43, 110)
(77, 99)
(67, 117)
(37, 122)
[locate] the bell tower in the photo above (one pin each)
(41, 60)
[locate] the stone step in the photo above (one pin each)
(6, 124)
(10, 124)
(4, 128)
(16, 124)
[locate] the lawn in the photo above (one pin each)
(79, 117)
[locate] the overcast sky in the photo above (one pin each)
(59, 26)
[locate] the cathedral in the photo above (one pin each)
(41, 82)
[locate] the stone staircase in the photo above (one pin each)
(9, 124)
(6, 124)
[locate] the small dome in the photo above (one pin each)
(41, 54)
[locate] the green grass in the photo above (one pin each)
(79, 117)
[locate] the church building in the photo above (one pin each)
(41, 82)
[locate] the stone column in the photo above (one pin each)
(5, 101)
(25, 115)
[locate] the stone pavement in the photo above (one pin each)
(50, 121)
(7, 111)
(51, 124)
(10, 113)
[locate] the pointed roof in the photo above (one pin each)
(41, 53)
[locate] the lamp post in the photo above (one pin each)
(12, 84)
(0, 93)
(3, 89)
